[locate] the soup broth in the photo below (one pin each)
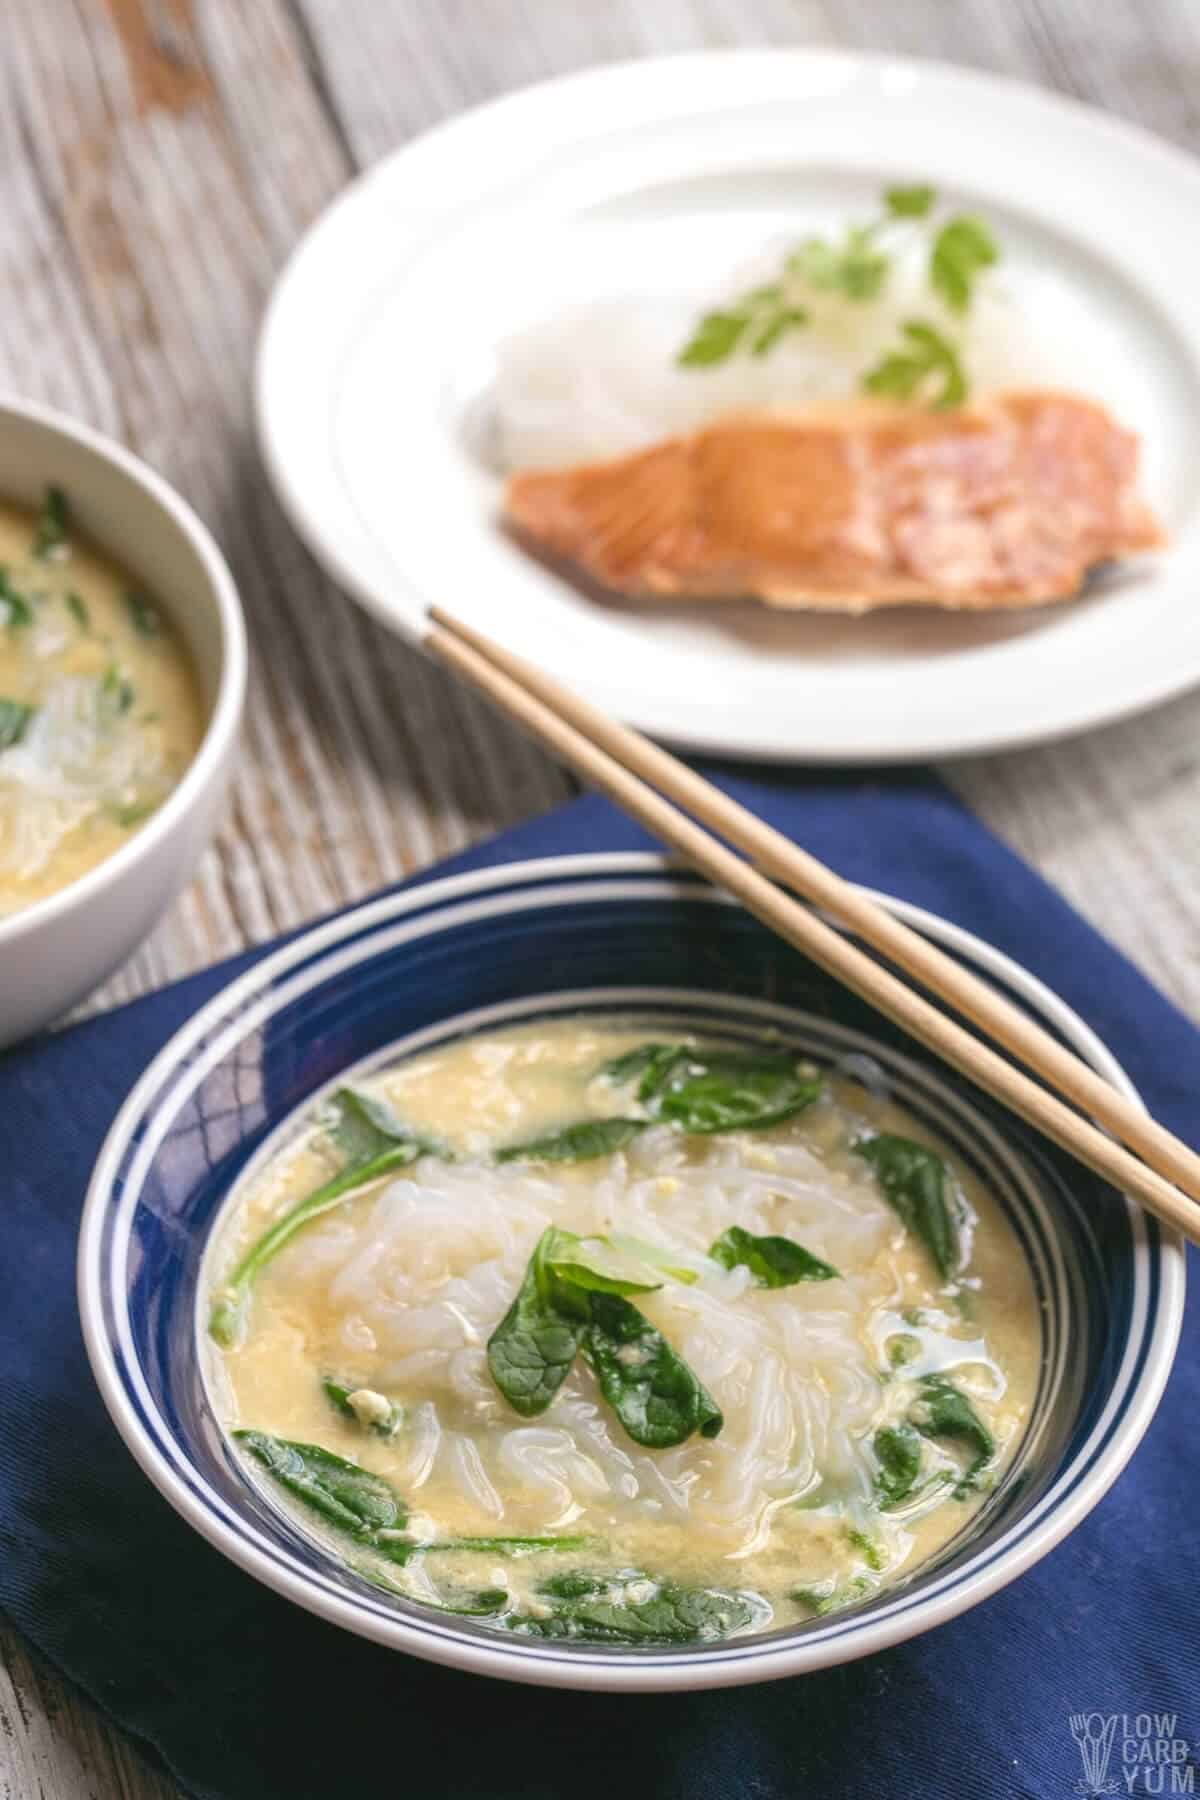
(99, 710)
(648, 1339)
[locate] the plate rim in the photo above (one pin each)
(499, 1660)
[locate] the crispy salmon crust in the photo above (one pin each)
(1005, 503)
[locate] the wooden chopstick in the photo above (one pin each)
(778, 857)
(609, 756)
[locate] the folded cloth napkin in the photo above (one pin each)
(245, 1697)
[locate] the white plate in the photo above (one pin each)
(378, 348)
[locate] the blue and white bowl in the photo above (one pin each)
(567, 935)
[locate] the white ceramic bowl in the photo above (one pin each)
(54, 952)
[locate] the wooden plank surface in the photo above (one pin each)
(158, 159)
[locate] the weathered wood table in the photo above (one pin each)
(160, 158)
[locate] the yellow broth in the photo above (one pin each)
(100, 714)
(379, 1303)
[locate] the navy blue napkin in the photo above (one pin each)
(245, 1697)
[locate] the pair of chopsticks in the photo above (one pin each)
(1164, 1174)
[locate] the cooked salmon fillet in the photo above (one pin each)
(1008, 502)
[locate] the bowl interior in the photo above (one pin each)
(126, 511)
(407, 972)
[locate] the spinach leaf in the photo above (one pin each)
(402, 1550)
(670, 1614)
(344, 1495)
(575, 1584)
(14, 720)
(775, 1262)
(832, 1596)
(19, 610)
(51, 533)
(649, 1061)
(77, 608)
(366, 1128)
(142, 615)
(912, 1179)
(870, 1549)
(595, 1265)
(651, 1389)
(575, 1143)
(482, 1604)
(654, 1256)
(531, 1351)
(374, 1411)
(898, 1449)
(563, 1306)
(374, 1151)
(728, 1090)
(943, 1411)
(714, 1090)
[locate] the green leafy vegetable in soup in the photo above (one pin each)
(913, 1178)
(477, 1325)
(98, 721)
(774, 1262)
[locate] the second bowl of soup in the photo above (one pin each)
(122, 672)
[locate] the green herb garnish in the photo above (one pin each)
(962, 249)
(144, 617)
(52, 525)
(19, 608)
(913, 1179)
(910, 202)
(115, 694)
(928, 369)
(756, 322)
(77, 607)
(14, 721)
(774, 1262)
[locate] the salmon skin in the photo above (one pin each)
(1007, 502)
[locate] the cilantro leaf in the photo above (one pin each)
(962, 249)
(928, 367)
(857, 268)
(714, 340)
(909, 202)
